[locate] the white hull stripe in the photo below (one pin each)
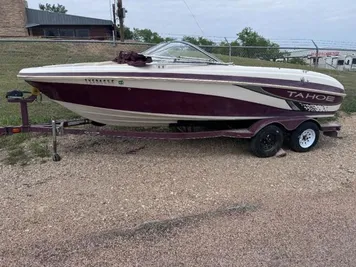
(131, 118)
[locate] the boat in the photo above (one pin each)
(178, 83)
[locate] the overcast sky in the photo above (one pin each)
(274, 19)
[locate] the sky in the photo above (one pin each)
(281, 20)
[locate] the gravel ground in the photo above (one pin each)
(181, 203)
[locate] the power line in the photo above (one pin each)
(193, 16)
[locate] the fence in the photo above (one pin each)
(16, 54)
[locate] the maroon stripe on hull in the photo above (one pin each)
(157, 101)
(267, 81)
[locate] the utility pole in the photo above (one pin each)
(121, 14)
(114, 20)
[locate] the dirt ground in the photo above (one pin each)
(112, 202)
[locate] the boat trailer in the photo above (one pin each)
(263, 132)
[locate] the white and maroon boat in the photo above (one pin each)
(181, 86)
(177, 82)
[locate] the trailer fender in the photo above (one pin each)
(287, 124)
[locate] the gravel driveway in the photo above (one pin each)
(181, 203)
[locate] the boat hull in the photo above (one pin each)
(139, 106)
(122, 95)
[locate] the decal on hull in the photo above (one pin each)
(305, 97)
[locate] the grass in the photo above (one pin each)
(39, 148)
(21, 149)
(16, 156)
(17, 55)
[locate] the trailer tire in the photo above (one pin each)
(267, 142)
(305, 137)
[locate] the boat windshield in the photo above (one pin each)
(180, 52)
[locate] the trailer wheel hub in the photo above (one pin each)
(307, 138)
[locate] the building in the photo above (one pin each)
(12, 18)
(350, 62)
(48, 24)
(16, 20)
(327, 59)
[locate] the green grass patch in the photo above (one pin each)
(16, 155)
(22, 148)
(13, 140)
(40, 148)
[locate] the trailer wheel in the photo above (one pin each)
(267, 142)
(305, 137)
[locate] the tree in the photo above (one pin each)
(198, 41)
(223, 48)
(53, 8)
(128, 34)
(147, 36)
(248, 37)
(298, 61)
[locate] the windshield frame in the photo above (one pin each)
(150, 52)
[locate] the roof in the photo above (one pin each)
(39, 17)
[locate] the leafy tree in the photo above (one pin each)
(248, 37)
(147, 36)
(298, 61)
(198, 41)
(128, 34)
(241, 46)
(223, 48)
(53, 8)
